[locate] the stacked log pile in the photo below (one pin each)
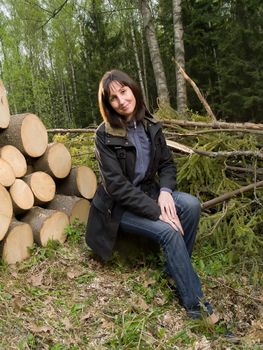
(40, 191)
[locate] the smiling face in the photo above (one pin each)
(122, 99)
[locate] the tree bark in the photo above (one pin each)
(27, 133)
(158, 68)
(56, 161)
(6, 211)
(181, 96)
(74, 207)
(81, 182)
(16, 244)
(4, 108)
(47, 225)
(15, 158)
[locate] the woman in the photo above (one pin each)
(137, 193)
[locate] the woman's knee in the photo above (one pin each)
(187, 202)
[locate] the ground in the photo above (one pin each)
(64, 298)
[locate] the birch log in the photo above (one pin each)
(4, 108)
(74, 207)
(6, 211)
(56, 161)
(15, 246)
(42, 185)
(22, 197)
(15, 158)
(27, 133)
(47, 225)
(80, 182)
(7, 175)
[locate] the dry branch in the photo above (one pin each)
(197, 91)
(216, 125)
(228, 195)
(180, 147)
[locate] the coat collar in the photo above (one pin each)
(122, 132)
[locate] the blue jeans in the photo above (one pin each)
(177, 249)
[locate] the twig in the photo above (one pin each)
(64, 131)
(197, 91)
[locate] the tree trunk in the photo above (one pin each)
(81, 182)
(4, 108)
(47, 225)
(16, 244)
(15, 158)
(181, 97)
(56, 161)
(27, 133)
(162, 89)
(137, 60)
(7, 175)
(6, 211)
(42, 185)
(22, 196)
(74, 207)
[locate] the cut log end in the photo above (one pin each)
(54, 228)
(34, 136)
(6, 211)
(86, 182)
(59, 160)
(15, 158)
(7, 175)
(22, 196)
(80, 211)
(4, 108)
(42, 186)
(17, 242)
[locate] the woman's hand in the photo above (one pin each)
(168, 211)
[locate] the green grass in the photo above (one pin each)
(64, 298)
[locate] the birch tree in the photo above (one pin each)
(158, 68)
(179, 53)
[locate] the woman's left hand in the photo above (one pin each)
(168, 210)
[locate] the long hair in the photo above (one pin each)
(107, 112)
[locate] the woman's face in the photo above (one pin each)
(122, 99)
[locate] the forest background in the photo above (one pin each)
(52, 56)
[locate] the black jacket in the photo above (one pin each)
(116, 157)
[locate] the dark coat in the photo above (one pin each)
(116, 157)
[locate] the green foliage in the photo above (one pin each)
(75, 232)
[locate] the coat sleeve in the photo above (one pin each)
(119, 187)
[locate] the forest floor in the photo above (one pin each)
(62, 298)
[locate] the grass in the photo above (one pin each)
(64, 298)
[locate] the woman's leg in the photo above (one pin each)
(175, 251)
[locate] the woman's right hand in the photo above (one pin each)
(174, 222)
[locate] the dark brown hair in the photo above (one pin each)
(106, 110)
